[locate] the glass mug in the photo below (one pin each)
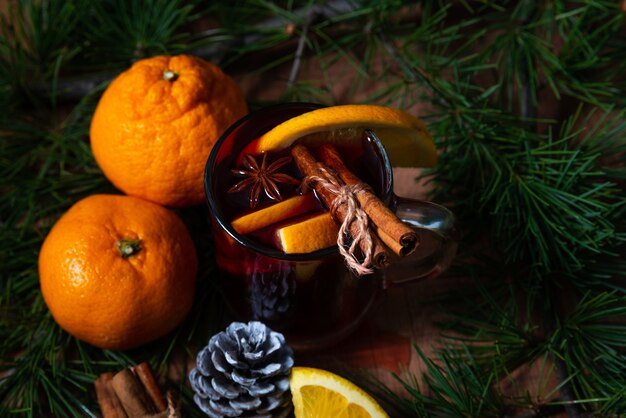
(313, 298)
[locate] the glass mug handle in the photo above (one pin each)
(438, 242)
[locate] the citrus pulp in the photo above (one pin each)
(318, 393)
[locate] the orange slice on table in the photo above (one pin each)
(277, 212)
(309, 235)
(318, 393)
(404, 136)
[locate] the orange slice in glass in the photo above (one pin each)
(277, 212)
(318, 393)
(404, 136)
(309, 235)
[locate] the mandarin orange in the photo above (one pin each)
(118, 271)
(155, 125)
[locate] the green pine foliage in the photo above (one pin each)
(526, 101)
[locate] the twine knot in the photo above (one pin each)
(345, 196)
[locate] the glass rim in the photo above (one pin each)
(218, 214)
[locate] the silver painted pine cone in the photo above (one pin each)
(243, 372)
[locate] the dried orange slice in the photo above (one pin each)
(318, 393)
(277, 212)
(404, 136)
(309, 235)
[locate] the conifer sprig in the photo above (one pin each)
(592, 342)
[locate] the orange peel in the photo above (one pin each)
(311, 234)
(404, 136)
(288, 208)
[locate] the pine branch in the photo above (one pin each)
(217, 44)
(452, 385)
(591, 347)
(546, 168)
(310, 16)
(488, 323)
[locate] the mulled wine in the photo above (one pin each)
(275, 242)
(310, 297)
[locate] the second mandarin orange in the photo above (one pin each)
(156, 124)
(118, 271)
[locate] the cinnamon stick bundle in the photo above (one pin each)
(309, 166)
(146, 377)
(131, 393)
(110, 405)
(398, 236)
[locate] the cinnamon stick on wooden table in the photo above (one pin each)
(146, 377)
(309, 166)
(110, 405)
(131, 393)
(396, 235)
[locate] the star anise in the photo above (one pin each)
(262, 177)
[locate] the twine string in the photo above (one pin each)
(345, 195)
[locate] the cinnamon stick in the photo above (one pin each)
(309, 166)
(110, 405)
(132, 394)
(143, 371)
(398, 236)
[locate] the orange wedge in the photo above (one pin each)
(318, 393)
(404, 136)
(309, 235)
(277, 212)
(306, 269)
